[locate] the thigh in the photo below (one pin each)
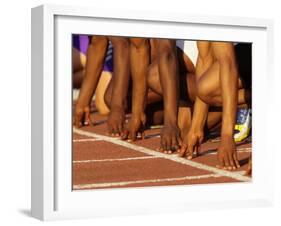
(209, 82)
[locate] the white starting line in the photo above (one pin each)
(175, 158)
(241, 150)
(85, 140)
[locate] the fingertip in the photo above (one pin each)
(181, 152)
(237, 164)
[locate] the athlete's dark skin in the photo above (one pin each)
(216, 60)
(119, 87)
(186, 90)
(121, 72)
(168, 73)
(95, 58)
(169, 80)
(139, 61)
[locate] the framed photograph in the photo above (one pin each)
(83, 164)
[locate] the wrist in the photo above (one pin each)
(118, 103)
(116, 108)
(138, 113)
(196, 128)
(81, 105)
(170, 121)
(227, 137)
(227, 132)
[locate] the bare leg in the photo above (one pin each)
(209, 89)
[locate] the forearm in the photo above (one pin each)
(139, 59)
(92, 75)
(200, 110)
(121, 79)
(199, 116)
(229, 87)
(170, 85)
(119, 91)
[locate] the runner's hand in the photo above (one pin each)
(191, 144)
(82, 117)
(135, 126)
(227, 154)
(115, 121)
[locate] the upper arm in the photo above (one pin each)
(205, 58)
(204, 50)
(223, 52)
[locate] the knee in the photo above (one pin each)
(202, 92)
(191, 86)
(152, 75)
(149, 79)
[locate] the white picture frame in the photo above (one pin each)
(52, 197)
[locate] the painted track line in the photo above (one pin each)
(124, 183)
(86, 140)
(239, 150)
(178, 159)
(113, 160)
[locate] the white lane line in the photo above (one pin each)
(85, 140)
(244, 149)
(212, 152)
(124, 183)
(113, 160)
(178, 159)
(240, 150)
